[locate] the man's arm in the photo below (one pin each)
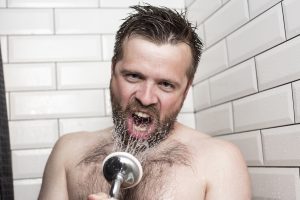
(229, 179)
(54, 184)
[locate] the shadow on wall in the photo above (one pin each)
(6, 180)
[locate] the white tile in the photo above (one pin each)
(127, 3)
(275, 183)
(108, 42)
(291, 17)
(26, 21)
(84, 124)
(88, 20)
(266, 109)
(29, 163)
(258, 35)
(54, 48)
(279, 65)
(39, 76)
(250, 145)
(281, 146)
(52, 3)
(187, 119)
(213, 60)
(7, 105)
(215, 120)
(27, 189)
(227, 19)
(189, 2)
(257, 7)
(83, 75)
(3, 43)
(33, 134)
(296, 96)
(34, 105)
(233, 83)
(188, 105)
(2, 3)
(201, 34)
(225, 1)
(197, 12)
(201, 95)
(108, 110)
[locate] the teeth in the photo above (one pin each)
(140, 114)
(140, 128)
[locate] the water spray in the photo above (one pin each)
(121, 170)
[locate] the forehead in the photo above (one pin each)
(138, 51)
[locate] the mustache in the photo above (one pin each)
(136, 105)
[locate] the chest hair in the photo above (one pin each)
(157, 166)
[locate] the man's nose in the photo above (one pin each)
(146, 95)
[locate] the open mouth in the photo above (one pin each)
(140, 125)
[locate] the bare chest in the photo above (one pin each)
(160, 182)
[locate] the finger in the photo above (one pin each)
(99, 196)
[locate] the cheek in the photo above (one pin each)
(170, 104)
(122, 92)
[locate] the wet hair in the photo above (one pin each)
(159, 25)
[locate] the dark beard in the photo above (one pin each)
(122, 139)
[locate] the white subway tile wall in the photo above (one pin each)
(51, 67)
(54, 48)
(55, 104)
(34, 76)
(2, 3)
(126, 3)
(249, 92)
(29, 163)
(216, 120)
(27, 188)
(223, 22)
(108, 46)
(257, 7)
(26, 21)
(275, 183)
(52, 3)
(213, 61)
(258, 35)
(287, 138)
(258, 110)
(3, 43)
(33, 134)
(57, 68)
(85, 75)
(88, 21)
(84, 124)
(224, 87)
(201, 95)
(291, 15)
(296, 89)
(280, 65)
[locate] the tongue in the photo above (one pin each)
(139, 128)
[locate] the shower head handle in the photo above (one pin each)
(121, 170)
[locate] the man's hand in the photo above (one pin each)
(99, 196)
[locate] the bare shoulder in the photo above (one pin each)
(218, 162)
(72, 145)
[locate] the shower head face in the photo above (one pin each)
(125, 165)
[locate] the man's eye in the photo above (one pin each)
(167, 86)
(132, 77)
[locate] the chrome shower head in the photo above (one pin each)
(121, 170)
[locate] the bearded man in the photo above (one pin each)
(155, 58)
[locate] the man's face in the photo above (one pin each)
(148, 87)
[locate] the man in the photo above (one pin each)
(155, 58)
